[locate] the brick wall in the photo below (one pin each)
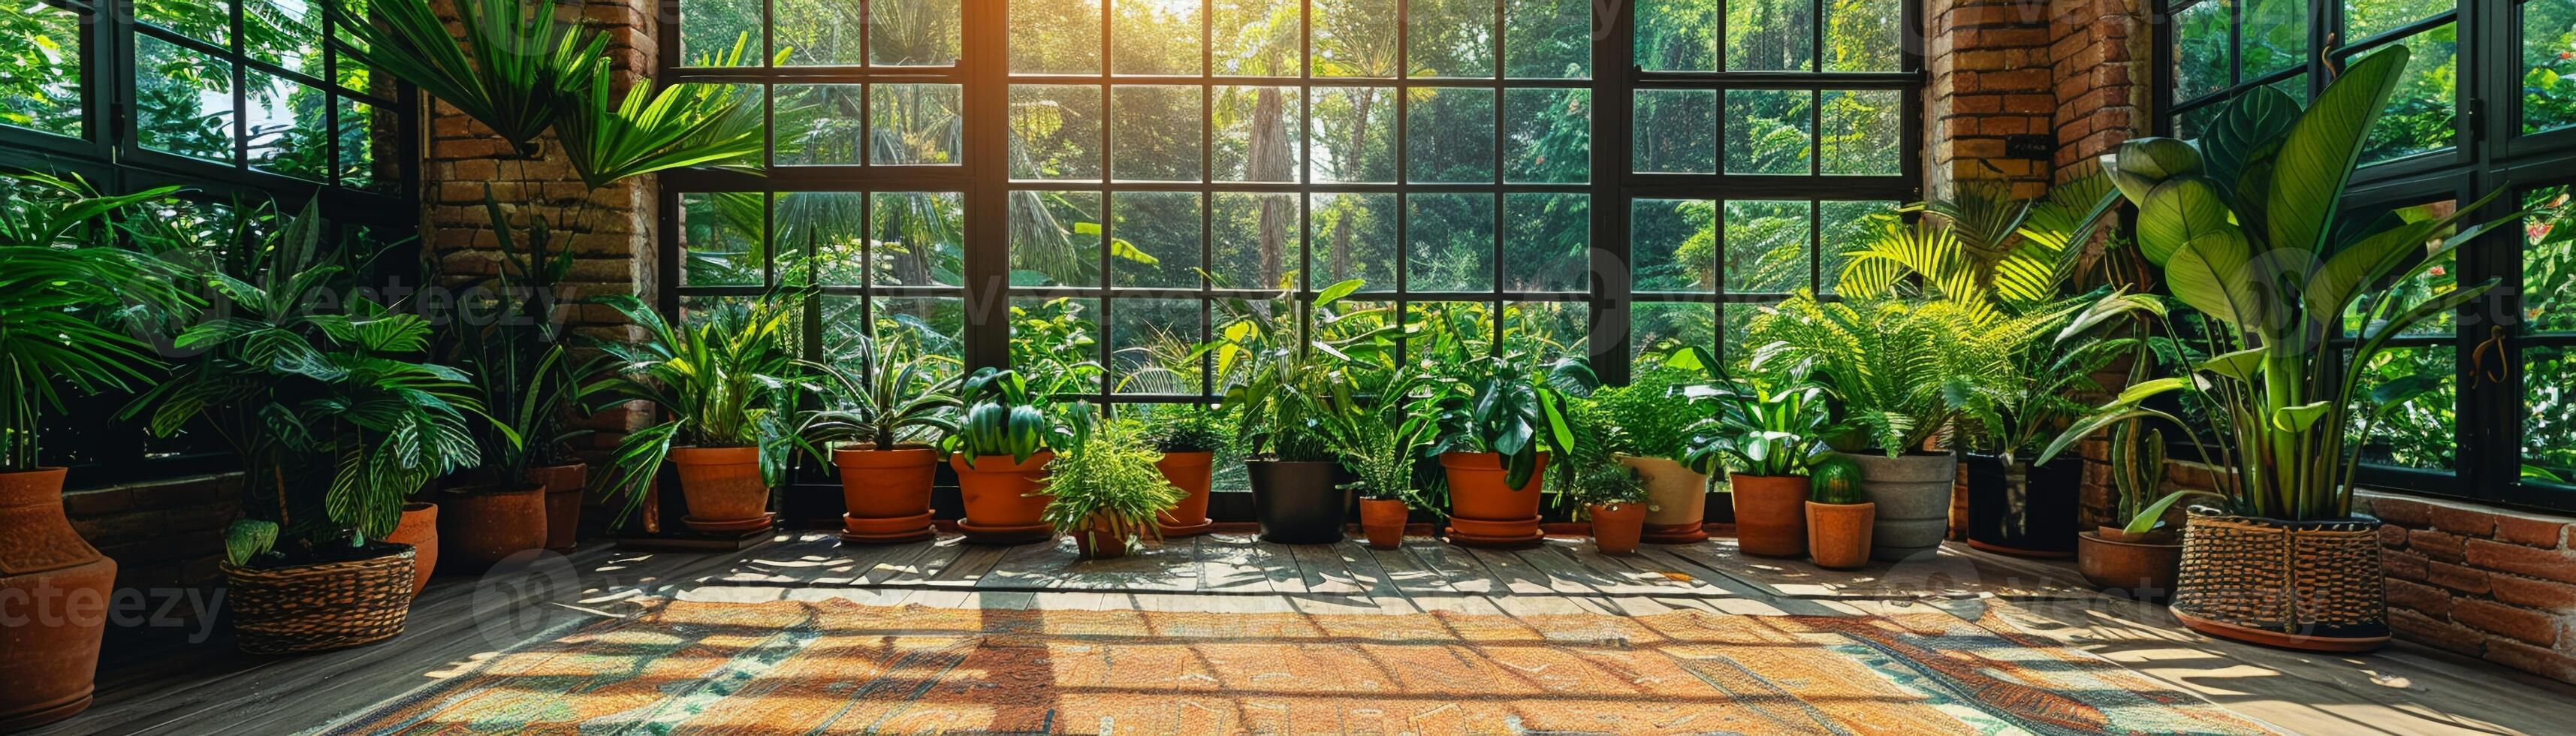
(2480, 581)
(1990, 78)
(2097, 55)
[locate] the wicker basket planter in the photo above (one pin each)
(2311, 585)
(321, 607)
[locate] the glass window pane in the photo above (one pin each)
(2548, 61)
(183, 100)
(822, 238)
(1547, 242)
(1257, 38)
(1769, 131)
(720, 239)
(1547, 39)
(710, 28)
(818, 32)
(1258, 242)
(289, 127)
(1449, 135)
(1767, 244)
(1677, 35)
(1155, 37)
(1733, 345)
(913, 32)
(1672, 245)
(1864, 36)
(43, 90)
(1449, 242)
(1149, 346)
(210, 21)
(915, 123)
(1549, 330)
(1055, 36)
(1057, 336)
(919, 236)
(364, 130)
(1055, 132)
(1353, 238)
(817, 124)
(1654, 328)
(1055, 238)
(1848, 225)
(1450, 38)
(287, 33)
(2363, 19)
(2275, 36)
(1547, 136)
(2422, 112)
(1862, 132)
(2549, 412)
(1771, 35)
(934, 326)
(1676, 131)
(1258, 133)
(1354, 134)
(2424, 431)
(2200, 36)
(1156, 241)
(2549, 264)
(1354, 38)
(1157, 134)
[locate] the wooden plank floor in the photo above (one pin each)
(205, 688)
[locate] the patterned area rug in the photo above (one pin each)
(839, 667)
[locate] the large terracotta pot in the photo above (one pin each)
(886, 493)
(1770, 514)
(1679, 497)
(723, 488)
(1479, 492)
(2141, 566)
(418, 528)
(1005, 501)
(1838, 533)
(1615, 527)
(480, 526)
(1383, 521)
(2308, 585)
(2024, 511)
(1192, 472)
(1299, 502)
(1913, 496)
(564, 485)
(58, 587)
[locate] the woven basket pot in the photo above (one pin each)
(318, 608)
(2310, 585)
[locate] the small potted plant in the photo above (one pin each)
(725, 388)
(1501, 423)
(2007, 413)
(1104, 489)
(1189, 437)
(1764, 438)
(2142, 556)
(1838, 516)
(1001, 451)
(880, 420)
(1656, 416)
(1381, 442)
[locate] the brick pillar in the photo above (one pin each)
(1990, 79)
(2099, 55)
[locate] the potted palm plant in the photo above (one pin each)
(529, 492)
(64, 276)
(1838, 515)
(1765, 438)
(1381, 441)
(2215, 219)
(1887, 363)
(2016, 507)
(881, 426)
(1656, 416)
(1274, 379)
(725, 388)
(336, 422)
(1189, 437)
(1001, 451)
(1104, 489)
(1501, 422)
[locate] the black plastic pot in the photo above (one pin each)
(2021, 510)
(1299, 502)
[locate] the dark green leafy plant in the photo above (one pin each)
(1379, 441)
(518, 356)
(652, 130)
(1106, 481)
(1276, 377)
(1005, 417)
(1760, 430)
(1500, 406)
(517, 70)
(64, 282)
(729, 381)
(894, 398)
(2025, 394)
(1596, 476)
(1653, 412)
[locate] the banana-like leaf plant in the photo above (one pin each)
(728, 381)
(63, 283)
(1760, 430)
(2248, 229)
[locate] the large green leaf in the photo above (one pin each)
(2240, 146)
(2318, 155)
(2177, 212)
(2211, 274)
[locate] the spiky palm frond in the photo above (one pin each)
(511, 72)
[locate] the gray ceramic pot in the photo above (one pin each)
(1913, 497)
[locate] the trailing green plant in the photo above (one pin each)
(64, 287)
(1106, 480)
(893, 397)
(1887, 362)
(1380, 440)
(1006, 417)
(1186, 428)
(2248, 230)
(729, 381)
(334, 414)
(1761, 429)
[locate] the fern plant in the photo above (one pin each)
(1106, 482)
(1379, 442)
(2024, 394)
(1889, 363)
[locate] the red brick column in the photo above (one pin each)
(2099, 56)
(1990, 78)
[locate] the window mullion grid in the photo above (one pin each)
(1108, 205)
(1403, 172)
(1503, 197)
(241, 89)
(1207, 196)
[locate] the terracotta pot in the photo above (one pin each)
(1483, 509)
(723, 488)
(1679, 497)
(481, 526)
(59, 589)
(418, 528)
(1913, 495)
(2138, 565)
(1838, 533)
(1097, 542)
(564, 485)
(1770, 514)
(2023, 511)
(1383, 520)
(1192, 472)
(1615, 527)
(1299, 502)
(2310, 585)
(1005, 501)
(886, 493)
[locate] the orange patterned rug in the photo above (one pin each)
(838, 667)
